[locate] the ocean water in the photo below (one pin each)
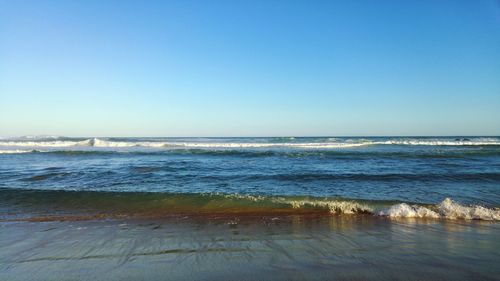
(452, 177)
(341, 208)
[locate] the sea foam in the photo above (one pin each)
(335, 207)
(331, 143)
(404, 210)
(15, 151)
(447, 209)
(478, 142)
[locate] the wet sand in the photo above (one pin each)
(295, 247)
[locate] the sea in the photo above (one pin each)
(254, 208)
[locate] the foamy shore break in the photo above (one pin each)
(447, 209)
(38, 203)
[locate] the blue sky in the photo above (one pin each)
(249, 68)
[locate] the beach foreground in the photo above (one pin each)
(297, 247)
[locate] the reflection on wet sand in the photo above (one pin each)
(250, 248)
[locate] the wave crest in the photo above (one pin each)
(404, 210)
(335, 207)
(447, 209)
(16, 151)
(329, 143)
(144, 204)
(452, 210)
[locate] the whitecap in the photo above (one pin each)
(447, 209)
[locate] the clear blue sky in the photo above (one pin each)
(249, 68)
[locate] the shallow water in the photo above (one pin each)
(269, 248)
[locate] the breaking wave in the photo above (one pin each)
(456, 142)
(15, 151)
(448, 209)
(12, 145)
(95, 142)
(150, 204)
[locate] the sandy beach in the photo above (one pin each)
(250, 248)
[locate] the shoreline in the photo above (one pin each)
(286, 248)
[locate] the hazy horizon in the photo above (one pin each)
(248, 136)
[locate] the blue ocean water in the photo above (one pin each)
(378, 208)
(378, 172)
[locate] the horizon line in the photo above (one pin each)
(261, 136)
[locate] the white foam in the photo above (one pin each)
(404, 210)
(104, 143)
(44, 143)
(452, 210)
(261, 145)
(95, 142)
(448, 209)
(335, 207)
(332, 143)
(15, 151)
(482, 142)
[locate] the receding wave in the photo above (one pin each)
(143, 204)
